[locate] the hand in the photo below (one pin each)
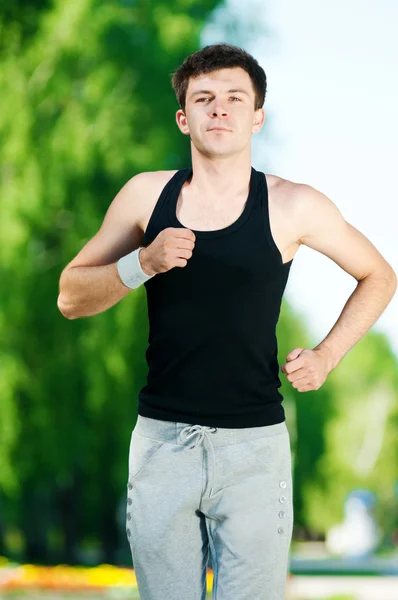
(172, 247)
(306, 369)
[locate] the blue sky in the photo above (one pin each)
(332, 123)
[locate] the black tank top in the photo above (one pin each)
(212, 353)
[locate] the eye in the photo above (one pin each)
(235, 98)
(202, 99)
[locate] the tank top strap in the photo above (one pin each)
(264, 200)
(161, 205)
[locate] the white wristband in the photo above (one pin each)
(130, 270)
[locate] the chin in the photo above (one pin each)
(216, 150)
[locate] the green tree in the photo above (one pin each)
(86, 103)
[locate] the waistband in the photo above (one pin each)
(174, 432)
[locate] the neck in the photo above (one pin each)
(220, 177)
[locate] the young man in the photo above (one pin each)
(209, 462)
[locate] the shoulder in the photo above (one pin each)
(140, 194)
(282, 195)
(283, 187)
(299, 199)
(303, 210)
(142, 191)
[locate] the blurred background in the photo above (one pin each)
(85, 104)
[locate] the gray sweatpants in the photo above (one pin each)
(193, 488)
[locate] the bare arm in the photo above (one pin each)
(322, 227)
(87, 291)
(90, 283)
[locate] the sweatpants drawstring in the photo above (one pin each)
(203, 434)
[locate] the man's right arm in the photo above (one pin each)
(90, 283)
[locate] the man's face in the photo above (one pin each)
(219, 112)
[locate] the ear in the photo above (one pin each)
(182, 122)
(259, 118)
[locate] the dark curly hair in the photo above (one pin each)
(214, 57)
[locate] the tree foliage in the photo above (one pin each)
(86, 104)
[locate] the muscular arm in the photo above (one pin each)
(323, 228)
(90, 283)
(87, 291)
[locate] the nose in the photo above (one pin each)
(220, 112)
(218, 109)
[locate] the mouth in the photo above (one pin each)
(218, 129)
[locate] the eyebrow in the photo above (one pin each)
(233, 91)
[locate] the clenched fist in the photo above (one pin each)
(306, 369)
(171, 248)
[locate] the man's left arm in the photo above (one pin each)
(321, 226)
